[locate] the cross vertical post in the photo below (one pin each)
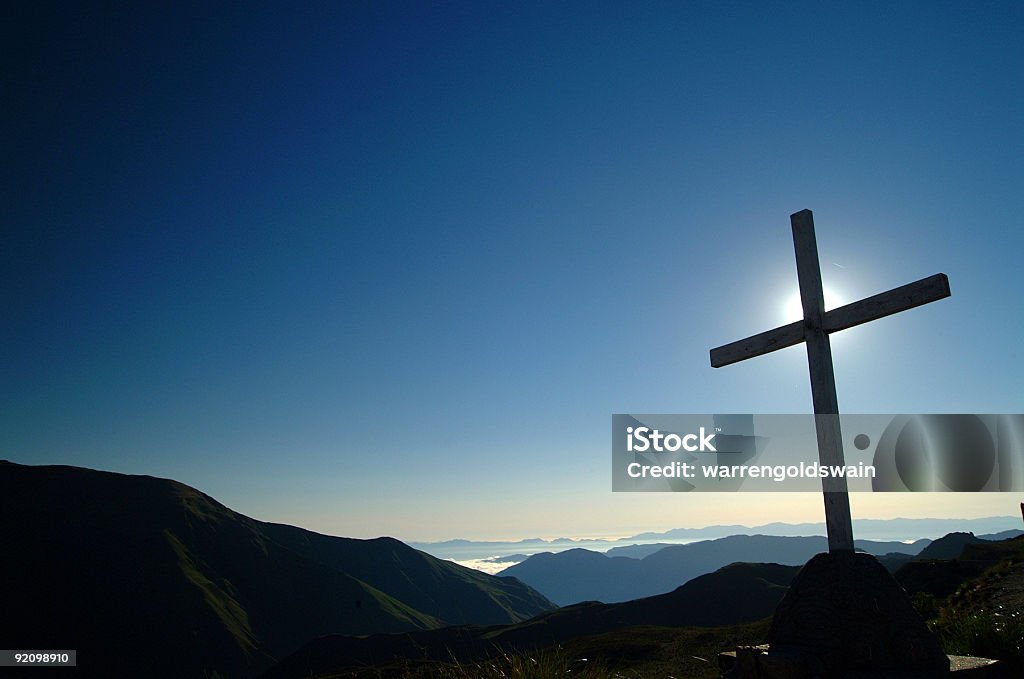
(838, 523)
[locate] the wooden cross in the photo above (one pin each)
(814, 330)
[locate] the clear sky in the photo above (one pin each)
(389, 268)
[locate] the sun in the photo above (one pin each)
(793, 310)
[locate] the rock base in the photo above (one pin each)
(844, 616)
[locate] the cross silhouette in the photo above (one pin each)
(814, 330)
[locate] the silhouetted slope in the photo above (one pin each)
(737, 593)
(451, 592)
(150, 577)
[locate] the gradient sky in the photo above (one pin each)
(388, 268)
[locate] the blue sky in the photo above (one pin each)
(388, 268)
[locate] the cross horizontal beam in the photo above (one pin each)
(757, 345)
(868, 309)
(885, 304)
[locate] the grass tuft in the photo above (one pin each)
(988, 635)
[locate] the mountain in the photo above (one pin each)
(638, 551)
(453, 594)
(958, 558)
(949, 546)
(509, 558)
(581, 575)
(161, 571)
(737, 593)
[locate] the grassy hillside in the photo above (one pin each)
(453, 593)
(633, 652)
(975, 602)
(151, 577)
(736, 594)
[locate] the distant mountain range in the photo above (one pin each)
(872, 546)
(149, 577)
(581, 575)
(899, 529)
(735, 594)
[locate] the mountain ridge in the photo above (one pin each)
(169, 572)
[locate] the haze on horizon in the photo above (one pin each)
(388, 268)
